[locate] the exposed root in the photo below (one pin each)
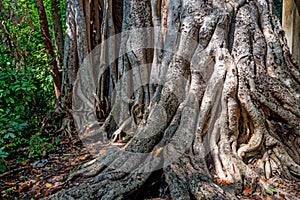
(217, 127)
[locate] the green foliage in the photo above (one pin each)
(3, 155)
(26, 87)
(38, 145)
(278, 8)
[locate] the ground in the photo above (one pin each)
(35, 179)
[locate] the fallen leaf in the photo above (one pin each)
(224, 181)
(34, 170)
(69, 168)
(31, 170)
(93, 151)
(45, 193)
(37, 196)
(24, 163)
(48, 185)
(268, 198)
(57, 161)
(23, 187)
(82, 158)
(73, 151)
(9, 182)
(247, 190)
(102, 150)
(157, 151)
(16, 176)
(73, 163)
(65, 142)
(57, 178)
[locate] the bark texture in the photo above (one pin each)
(54, 68)
(208, 98)
(291, 25)
(58, 31)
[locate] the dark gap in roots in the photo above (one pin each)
(111, 128)
(209, 162)
(295, 175)
(118, 18)
(103, 107)
(157, 93)
(154, 187)
(252, 156)
(192, 197)
(230, 37)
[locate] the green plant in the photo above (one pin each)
(26, 87)
(3, 155)
(7, 191)
(57, 140)
(38, 145)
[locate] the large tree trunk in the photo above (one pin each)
(206, 90)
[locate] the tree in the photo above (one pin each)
(26, 87)
(58, 30)
(205, 92)
(53, 64)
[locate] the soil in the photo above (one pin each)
(35, 179)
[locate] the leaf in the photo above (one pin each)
(2, 168)
(82, 158)
(92, 151)
(268, 198)
(57, 179)
(67, 141)
(24, 163)
(224, 181)
(248, 190)
(3, 154)
(9, 182)
(157, 151)
(69, 168)
(57, 161)
(23, 187)
(44, 153)
(45, 193)
(34, 170)
(48, 185)
(8, 135)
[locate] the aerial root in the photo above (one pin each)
(186, 182)
(287, 161)
(279, 158)
(95, 166)
(116, 189)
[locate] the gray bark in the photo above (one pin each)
(210, 99)
(58, 32)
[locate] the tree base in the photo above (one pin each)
(116, 174)
(223, 122)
